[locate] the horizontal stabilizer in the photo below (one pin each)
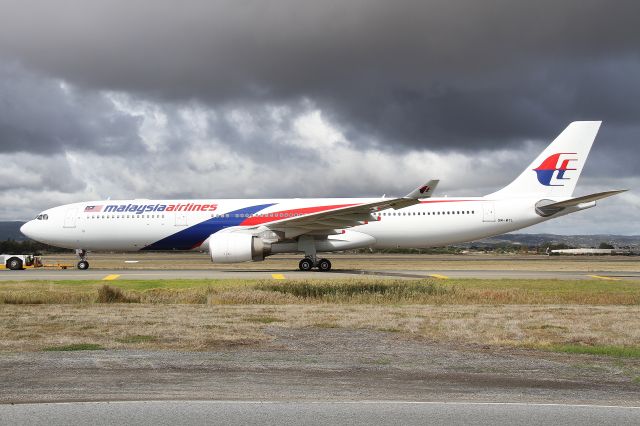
(545, 210)
(585, 199)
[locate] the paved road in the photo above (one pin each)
(146, 274)
(313, 413)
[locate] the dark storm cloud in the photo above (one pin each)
(285, 98)
(438, 74)
(43, 116)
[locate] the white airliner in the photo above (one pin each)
(249, 230)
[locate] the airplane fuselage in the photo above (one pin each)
(133, 225)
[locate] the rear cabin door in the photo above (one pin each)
(488, 211)
(70, 218)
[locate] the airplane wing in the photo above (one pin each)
(347, 216)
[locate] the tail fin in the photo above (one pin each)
(556, 171)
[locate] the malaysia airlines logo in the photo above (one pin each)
(424, 189)
(552, 170)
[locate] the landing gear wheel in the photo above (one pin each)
(324, 265)
(305, 264)
(14, 264)
(83, 264)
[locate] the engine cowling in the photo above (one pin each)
(236, 247)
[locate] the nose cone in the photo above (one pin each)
(27, 229)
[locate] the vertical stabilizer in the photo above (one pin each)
(555, 172)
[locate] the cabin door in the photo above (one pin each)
(70, 218)
(488, 211)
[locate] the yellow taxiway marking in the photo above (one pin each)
(442, 277)
(111, 277)
(277, 276)
(602, 277)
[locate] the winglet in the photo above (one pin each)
(424, 191)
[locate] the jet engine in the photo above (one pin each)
(237, 247)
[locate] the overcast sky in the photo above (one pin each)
(287, 98)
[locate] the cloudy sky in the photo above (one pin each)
(286, 98)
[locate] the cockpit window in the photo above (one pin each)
(42, 217)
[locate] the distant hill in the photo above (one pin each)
(11, 231)
(580, 241)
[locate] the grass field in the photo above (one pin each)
(354, 291)
(589, 317)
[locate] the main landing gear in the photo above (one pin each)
(307, 244)
(83, 264)
(308, 263)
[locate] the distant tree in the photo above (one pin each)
(28, 247)
(604, 245)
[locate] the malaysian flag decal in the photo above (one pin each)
(93, 209)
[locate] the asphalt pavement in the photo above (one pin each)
(313, 413)
(149, 274)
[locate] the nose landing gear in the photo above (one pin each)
(82, 264)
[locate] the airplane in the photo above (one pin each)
(240, 230)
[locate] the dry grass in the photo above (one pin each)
(203, 327)
(206, 314)
(108, 294)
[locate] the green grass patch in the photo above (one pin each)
(136, 339)
(326, 324)
(262, 319)
(379, 361)
(74, 347)
(320, 290)
(605, 350)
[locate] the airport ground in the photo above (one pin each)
(381, 327)
(362, 262)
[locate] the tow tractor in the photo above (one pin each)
(18, 262)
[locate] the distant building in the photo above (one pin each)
(591, 251)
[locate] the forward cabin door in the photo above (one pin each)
(181, 218)
(488, 211)
(70, 217)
